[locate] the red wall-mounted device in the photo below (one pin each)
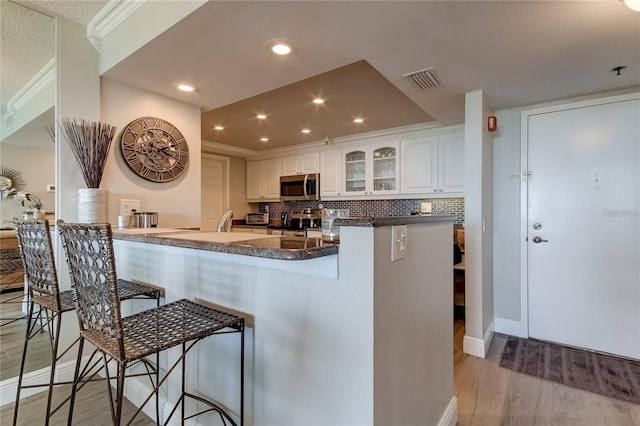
(492, 123)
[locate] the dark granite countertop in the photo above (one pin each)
(273, 247)
(392, 220)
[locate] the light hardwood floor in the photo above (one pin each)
(491, 395)
(487, 395)
(12, 339)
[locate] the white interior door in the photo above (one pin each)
(214, 191)
(583, 226)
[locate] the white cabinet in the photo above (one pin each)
(451, 169)
(247, 230)
(433, 164)
(330, 173)
(300, 164)
(370, 169)
(263, 180)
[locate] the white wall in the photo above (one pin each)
(506, 217)
(478, 226)
(36, 163)
(238, 188)
(77, 96)
(148, 21)
(178, 201)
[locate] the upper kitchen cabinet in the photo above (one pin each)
(300, 164)
(433, 164)
(330, 173)
(263, 180)
(370, 169)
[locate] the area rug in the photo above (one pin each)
(602, 374)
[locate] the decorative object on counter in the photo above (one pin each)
(126, 221)
(11, 182)
(329, 231)
(90, 143)
(12, 187)
(154, 149)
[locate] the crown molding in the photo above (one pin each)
(112, 15)
(43, 78)
(218, 148)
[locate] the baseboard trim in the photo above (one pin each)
(9, 387)
(478, 347)
(450, 415)
(510, 327)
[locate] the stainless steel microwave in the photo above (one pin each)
(300, 187)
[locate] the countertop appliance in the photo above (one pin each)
(306, 218)
(257, 219)
(146, 219)
(300, 187)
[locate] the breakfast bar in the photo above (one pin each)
(336, 333)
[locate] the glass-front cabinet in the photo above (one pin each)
(371, 169)
(355, 171)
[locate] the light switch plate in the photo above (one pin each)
(398, 242)
(425, 207)
(127, 205)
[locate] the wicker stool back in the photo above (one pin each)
(90, 256)
(36, 251)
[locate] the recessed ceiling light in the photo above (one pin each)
(264, 139)
(318, 101)
(633, 4)
(306, 131)
(358, 120)
(281, 48)
(261, 116)
(185, 87)
(219, 128)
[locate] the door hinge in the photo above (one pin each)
(524, 175)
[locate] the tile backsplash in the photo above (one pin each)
(454, 206)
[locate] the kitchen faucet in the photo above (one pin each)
(223, 223)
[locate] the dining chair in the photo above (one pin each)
(125, 339)
(47, 303)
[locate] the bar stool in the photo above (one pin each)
(10, 276)
(89, 250)
(36, 250)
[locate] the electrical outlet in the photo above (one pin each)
(398, 242)
(126, 206)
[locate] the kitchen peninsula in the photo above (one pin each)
(337, 334)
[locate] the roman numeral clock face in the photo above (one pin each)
(154, 149)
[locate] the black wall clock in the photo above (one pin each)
(154, 149)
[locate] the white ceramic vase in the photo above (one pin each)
(92, 205)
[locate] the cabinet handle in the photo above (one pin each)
(435, 190)
(440, 190)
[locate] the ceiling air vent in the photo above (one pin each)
(425, 79)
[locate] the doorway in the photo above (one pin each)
(581, 227)
(215, 190)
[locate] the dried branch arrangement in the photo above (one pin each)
(90, 143)
(51, 130)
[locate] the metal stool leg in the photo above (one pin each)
(56, 321)
(76, 376)
(30, 323)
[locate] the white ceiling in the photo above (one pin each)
(518, 52)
